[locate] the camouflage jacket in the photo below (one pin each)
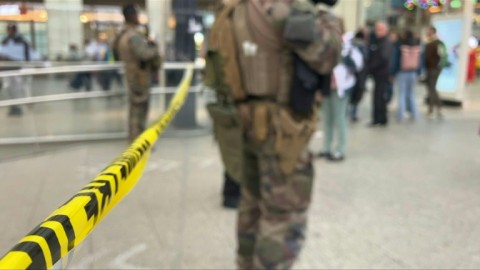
(266, 70)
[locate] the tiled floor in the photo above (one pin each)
(406, 197)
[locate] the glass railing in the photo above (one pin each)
(50, 104)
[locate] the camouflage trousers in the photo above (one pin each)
(272, 214)
(137, 118)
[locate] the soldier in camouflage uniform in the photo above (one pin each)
(277, 166)
(273, 207)
(135, 51)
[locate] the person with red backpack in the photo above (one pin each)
(407, 63)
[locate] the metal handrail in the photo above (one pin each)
(23, 64)
(85, 95)
(63, 138)
(44, 64)
(87, 68)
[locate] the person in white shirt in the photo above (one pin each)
(14, 47)
(335, 106)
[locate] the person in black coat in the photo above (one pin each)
(379, 68)
(16, 84)
(360, 42)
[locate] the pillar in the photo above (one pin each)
(63, 26)
(468, 16)
(351, 11)
(159, 12)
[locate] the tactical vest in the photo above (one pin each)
(124, 50)
(222, 70)
(265, 62)
(138, 79)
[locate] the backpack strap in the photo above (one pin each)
(443, 53)
(348, 61)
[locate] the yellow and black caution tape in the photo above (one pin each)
(71, 223)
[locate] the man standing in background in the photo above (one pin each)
(15, 48)
(435, 60)
(379, 66)
(138, 54)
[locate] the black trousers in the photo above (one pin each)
(231, 189)
(434, 100)
(380, 100)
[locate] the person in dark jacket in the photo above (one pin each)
(405, 69)
(379, 68)
(15, 48)
(394, 38)
(435, 60)
(359, 41)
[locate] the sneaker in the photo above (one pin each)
(430, 116)
(440, 116)
(326, 155)
(337, 157)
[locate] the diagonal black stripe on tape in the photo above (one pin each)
(67, 227)
(132, 150)
(92, 207)
(123, 170)
(124, 161)
(52, 240)
(135, 154)
(133, 158)
(106, 190)
(35, 253)
(141, 151)
(114, 177)
(145, 145)
(138, 155)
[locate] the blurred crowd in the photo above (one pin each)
(96, 50)
(396, 62)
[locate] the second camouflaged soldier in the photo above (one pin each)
(141, 58)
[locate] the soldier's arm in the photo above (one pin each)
(141, 49)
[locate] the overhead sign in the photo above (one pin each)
(9, 10)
